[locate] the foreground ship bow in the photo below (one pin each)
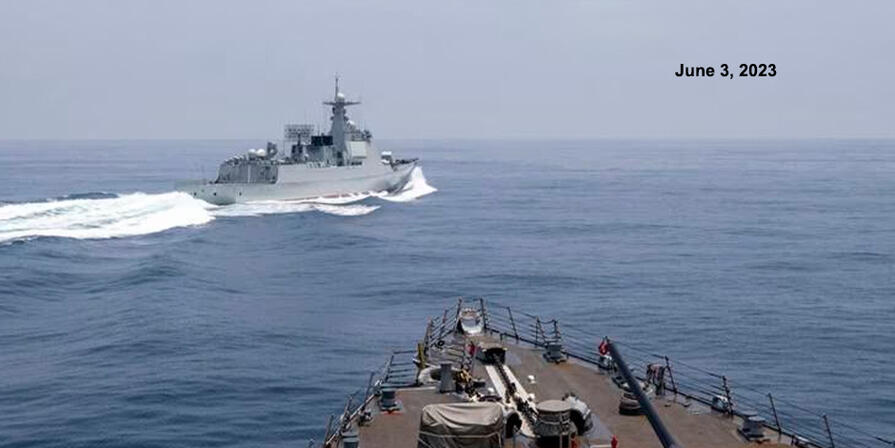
(486, 376)
(342, 162)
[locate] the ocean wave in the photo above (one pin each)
(120, 216)
(415, 188)
(90, 195)
(106, 215)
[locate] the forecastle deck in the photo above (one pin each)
(525, 376)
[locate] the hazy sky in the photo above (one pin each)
(467, 69)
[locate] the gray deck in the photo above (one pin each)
(695, 426)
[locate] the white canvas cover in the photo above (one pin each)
(461, 425)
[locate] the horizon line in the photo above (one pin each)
(504, 138)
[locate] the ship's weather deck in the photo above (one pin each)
(694, 424)
(482, 376)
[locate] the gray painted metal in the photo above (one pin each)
(447, 378)
(305, 183)
(340, 163)
(665, 437)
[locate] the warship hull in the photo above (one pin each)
(303, 182)
(317, 165)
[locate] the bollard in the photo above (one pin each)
(447, 378)
(388, 399)
(350, 438)
(554, 352)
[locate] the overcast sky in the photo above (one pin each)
(465, 69)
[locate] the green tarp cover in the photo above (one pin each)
(461, 425)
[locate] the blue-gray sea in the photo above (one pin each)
(133, 316)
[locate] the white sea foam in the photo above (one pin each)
(125, 215)
(415, 188)
(142, 213)
(278, 207)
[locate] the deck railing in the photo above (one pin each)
(685, 382)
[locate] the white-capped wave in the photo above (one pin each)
(92, 217)
(415, 188)
(125, 215)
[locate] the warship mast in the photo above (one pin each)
(340, 162)
(339, 118)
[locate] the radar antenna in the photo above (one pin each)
(339, 98)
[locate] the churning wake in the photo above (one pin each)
(416, 187)
(125, 215)
(114, 216)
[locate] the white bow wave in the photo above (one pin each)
(142, 213)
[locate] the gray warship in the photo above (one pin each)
(316, 165)
(484, 375)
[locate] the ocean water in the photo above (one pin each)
(134, 316)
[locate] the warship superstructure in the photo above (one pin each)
(486, 376)
(314, 165)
